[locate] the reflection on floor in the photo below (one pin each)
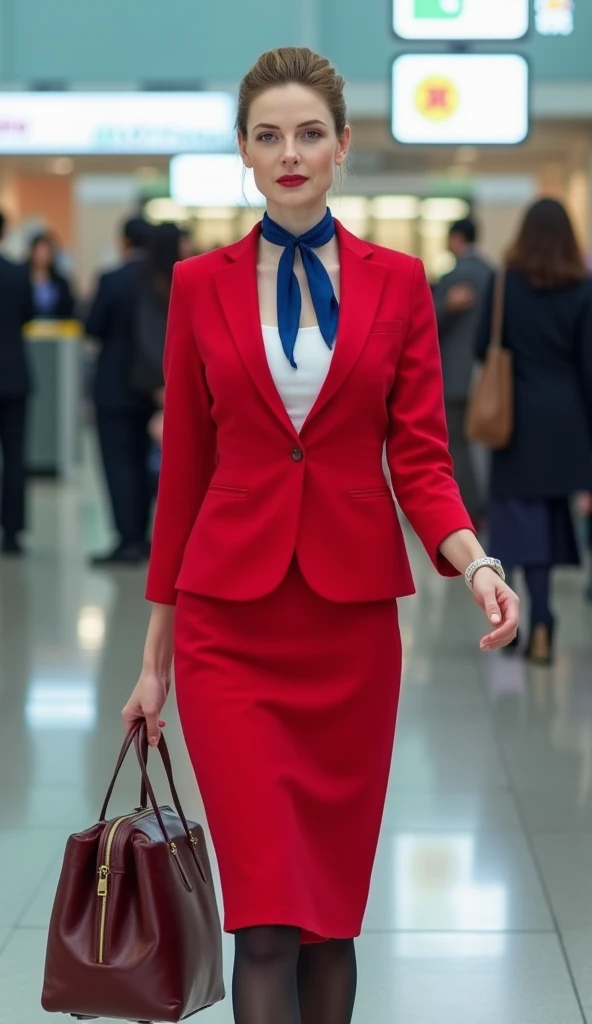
(481, 903)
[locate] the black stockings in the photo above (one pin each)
(327, 977)
(264, 989)
(278, 981)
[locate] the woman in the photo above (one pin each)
(52, 297)
(548, 328)
(277, 555)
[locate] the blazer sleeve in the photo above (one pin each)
(188, 448)
(417, 444)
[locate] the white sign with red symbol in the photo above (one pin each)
(455, 99)
(554, 17)
(119, 123)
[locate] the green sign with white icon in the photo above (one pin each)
(438, 8)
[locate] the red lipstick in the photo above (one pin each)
(292, 180)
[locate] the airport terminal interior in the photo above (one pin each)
(480, 906)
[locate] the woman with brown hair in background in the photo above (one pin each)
(548, 328)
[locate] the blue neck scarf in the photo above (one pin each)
(289, 299)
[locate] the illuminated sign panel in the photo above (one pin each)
(461, 19)
(116, 123)
(460, 99)
(214, 179)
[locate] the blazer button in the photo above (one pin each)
(297, 454)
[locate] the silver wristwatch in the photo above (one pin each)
(491, 563)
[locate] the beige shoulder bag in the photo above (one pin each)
(490, 412)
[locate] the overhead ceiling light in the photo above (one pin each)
(216, 213)
(395, 207)
(444, 209)
(159, 210)
(213, 179)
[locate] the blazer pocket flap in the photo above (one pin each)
(386, 327)
(371, 492)
(231, 492)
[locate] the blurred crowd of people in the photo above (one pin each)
(126, 317)
(527, 505)
(533, 485)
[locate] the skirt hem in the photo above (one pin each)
(309, 932)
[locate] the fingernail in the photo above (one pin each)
(495, 617)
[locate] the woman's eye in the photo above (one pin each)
(312, 134)
(266, 136)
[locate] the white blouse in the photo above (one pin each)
(298, 389)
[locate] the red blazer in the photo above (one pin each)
(240, 491)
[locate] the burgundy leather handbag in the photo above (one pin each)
(135, 931)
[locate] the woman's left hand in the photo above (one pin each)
(501, 606)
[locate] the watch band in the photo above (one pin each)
(480, 563)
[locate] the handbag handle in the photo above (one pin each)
(497, 315)
(141, 743)
(138, 736)
(143, 804)
(129, 739)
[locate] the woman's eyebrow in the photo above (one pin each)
(304, 124)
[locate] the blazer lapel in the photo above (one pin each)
(236, 285)
(361, 285)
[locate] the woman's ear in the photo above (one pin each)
(343, 146)
(242, 148)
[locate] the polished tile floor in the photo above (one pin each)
(481, 902)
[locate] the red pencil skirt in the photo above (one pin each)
(288, 707)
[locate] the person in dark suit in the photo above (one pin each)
(52, 295)
(16, 308)
(548, 328)
(122, 414)
(167, 247)
(458, 298)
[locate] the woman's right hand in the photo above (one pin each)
(152, 689)
(147, 701)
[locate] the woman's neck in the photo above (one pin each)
(297, 222)
(41, 275)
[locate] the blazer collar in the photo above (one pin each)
(362, 280)
(248, 245)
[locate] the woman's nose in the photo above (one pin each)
(290, 154)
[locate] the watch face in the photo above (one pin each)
(438, 8)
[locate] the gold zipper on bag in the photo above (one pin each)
(104, 870)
